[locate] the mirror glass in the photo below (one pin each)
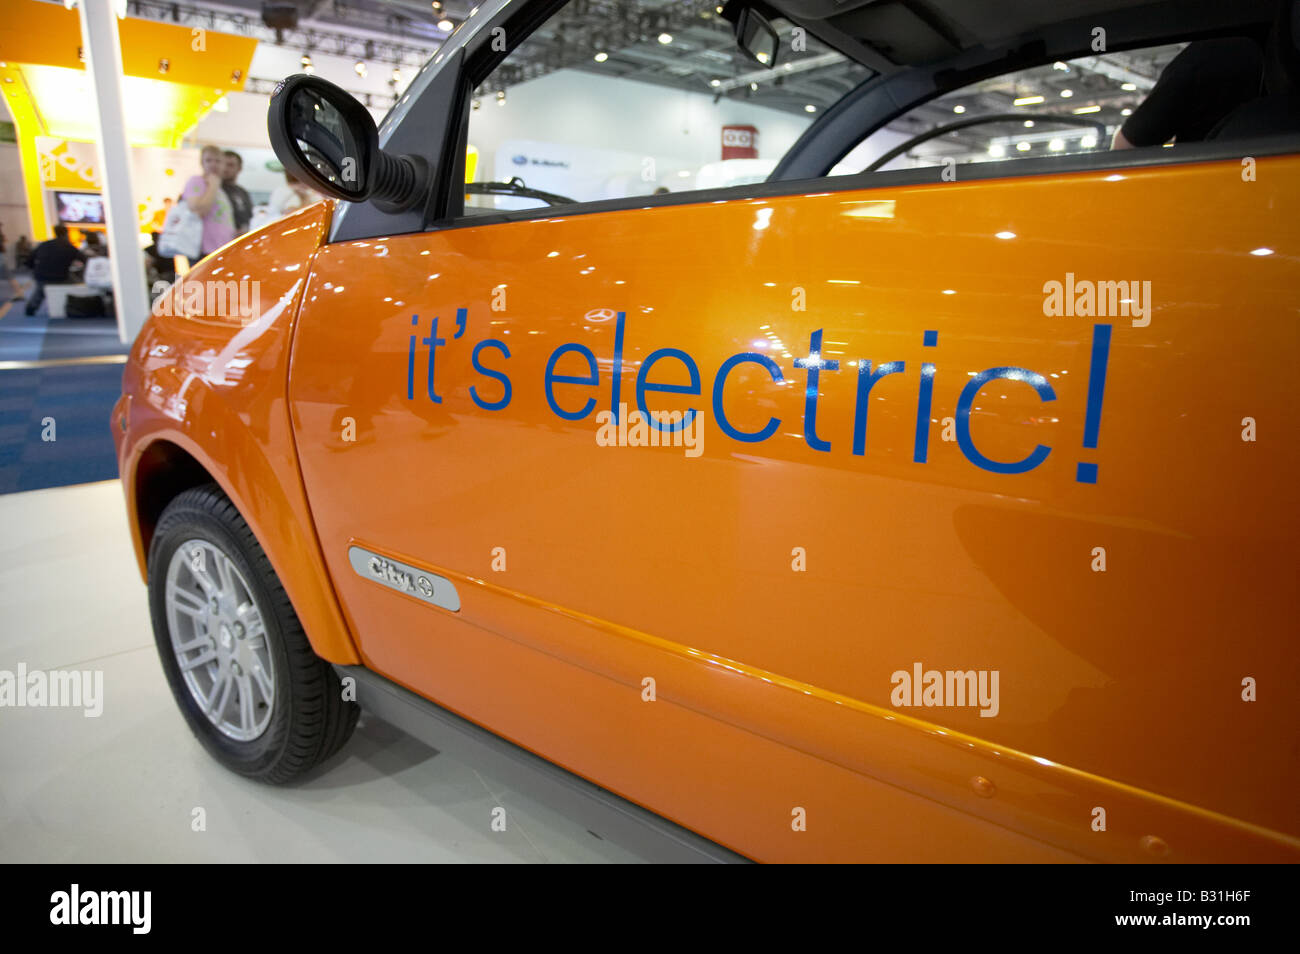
(326, 142)
(757, 37)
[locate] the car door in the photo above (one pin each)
(905, 448)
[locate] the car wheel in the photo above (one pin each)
(236, 657)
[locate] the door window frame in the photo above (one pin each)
(806, 165)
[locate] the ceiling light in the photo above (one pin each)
(305, 61)
(1056, 145)
(754, 87)
(1029, 124)
(602, 56)
(501, 97)
(1088, 141)
(1087, 109)
(715, 82)
(1261, 251)
(1058, 65)
(1027, 101)
(1126, 111)
(810, 108)
(997, 150)
(445, 25)
(1022, 146)
(959, 109)
(1066, 93)
(360, 68)
(665, 38)
(1128, 87)
(1005, 235)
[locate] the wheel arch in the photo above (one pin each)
(165, 464)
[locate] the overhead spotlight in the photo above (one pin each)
(959, 109)
(436, 6)
(753, 87)
(715, 82)
(501, 97)
(997, 150)
(1056, 145)
(810, 108)
(1029, 124)
(601, 57)
(1087, 142)
(665, 38)
(1128, 87)
(1058, 65)
(1126, 111)
(445, 25)
(1023, 146)
(305, 61)
(1066, 93)
(360, 68)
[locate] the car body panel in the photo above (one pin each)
(213, 385)
(1121, 689)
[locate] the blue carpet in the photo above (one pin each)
(79, 398)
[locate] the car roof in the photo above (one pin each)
(890, 35)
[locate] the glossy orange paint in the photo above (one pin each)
(1120, 689)
(210, 381)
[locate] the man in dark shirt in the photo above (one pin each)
(240, 201)
(1199, 87)
(50, 262)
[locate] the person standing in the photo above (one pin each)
(5, 274)
(50, 263)
(206, 198)
(290, 197)
(240, 201)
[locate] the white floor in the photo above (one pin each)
(124, 787)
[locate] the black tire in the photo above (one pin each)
(309, 720)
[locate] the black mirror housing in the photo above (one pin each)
(327, 139)
(756, 37)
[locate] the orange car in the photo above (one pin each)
(822, 508)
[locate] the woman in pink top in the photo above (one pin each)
(206, 199)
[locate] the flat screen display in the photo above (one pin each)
(80, 208)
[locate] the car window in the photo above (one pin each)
(598, 105)
(1057, 109)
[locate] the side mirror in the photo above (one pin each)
(329, 140)
(757, 38)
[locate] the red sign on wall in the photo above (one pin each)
(739, 142)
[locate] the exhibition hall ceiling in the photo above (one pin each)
(685, 45)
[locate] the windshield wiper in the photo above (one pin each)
(516, 187)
